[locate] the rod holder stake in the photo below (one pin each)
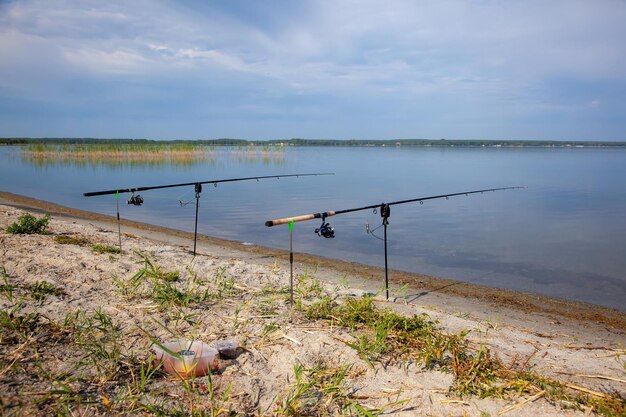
(198, 188)
(385, 212)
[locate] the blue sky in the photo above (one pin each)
(314, 69)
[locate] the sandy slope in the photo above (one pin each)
(559, 342)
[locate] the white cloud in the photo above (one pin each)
(115, 62)
(487, 54)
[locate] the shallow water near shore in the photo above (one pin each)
(563, 236)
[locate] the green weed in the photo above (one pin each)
(41, 289)
(168, 295)
(321, 391)
(100, 340)
(72, 240)
(380, 334)
(18, 327)
(269, 328)
(6, 289)
(105, 248)
(164, 287)
(152, 270)
(29, 224)
(308, 286)
(225, 285)
(38, 291)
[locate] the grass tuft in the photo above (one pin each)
(29, 224)
(105, 248)
(72, 240)
(380, 335)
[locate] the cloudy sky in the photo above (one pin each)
(315, 69)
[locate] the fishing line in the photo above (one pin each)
(137, 200)
(371, 231)
(184, 203)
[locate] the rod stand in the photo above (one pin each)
(291, 265)
(119, 229)
(198, 188)
(385, 212)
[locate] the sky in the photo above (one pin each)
(341, 69)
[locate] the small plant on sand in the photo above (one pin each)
(41, 289)
(6, 288)
(72, 240)
(322, 391)
(15, 327)
(225, 285)
(308, 286)
(164, 287)
(105, 248)
(167, 295)
(269, 328)
(273, 287)
(152, 270)
(29, 224)
(100, 340)
(311, 392)
(343, 283)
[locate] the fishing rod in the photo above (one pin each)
(137, 200)
(328, 232)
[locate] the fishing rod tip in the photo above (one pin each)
(269, 223)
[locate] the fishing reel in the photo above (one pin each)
(135, 200)
(325, 230)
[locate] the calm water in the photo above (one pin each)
(564, 236)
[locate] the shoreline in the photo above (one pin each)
(433, 290)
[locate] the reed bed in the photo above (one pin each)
(125, 154)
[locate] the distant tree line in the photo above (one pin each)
(326, 142)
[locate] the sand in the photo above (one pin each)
(574, 343)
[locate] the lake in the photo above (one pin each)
(563, 236)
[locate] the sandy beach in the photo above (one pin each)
(86, 351)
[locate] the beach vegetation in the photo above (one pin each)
(274, 287)
(323, 390)
(269, 328)
(168, 295)
(224, 284)
(151, 270)
(41, 289)
(6, 289)
(17, 327)
(38, 290)
(100, 248)
(95, 360)
(100, 342)
(29, 224)
(167, 290)
(381, 335)
(72, 240)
